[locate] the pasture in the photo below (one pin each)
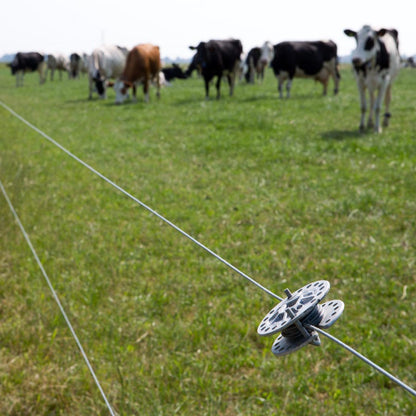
(286, 190)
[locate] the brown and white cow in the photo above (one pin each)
(143, 65)
(317, 60)
(376, 63)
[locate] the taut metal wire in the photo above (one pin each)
(350, 349)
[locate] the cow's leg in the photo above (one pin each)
(280, 81)
(372, 110)
(336, 76)
(325, 84)
(251, 70)
(134, 92)
(146, 89)
(218, 86)
(90, 82)
(206, 88)
(231, 79)
(363, 103)
(42, 74)
(387, 114)
(382, 94)
(288, 87)
(157, 86)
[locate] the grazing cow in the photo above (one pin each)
(143, 65)
(216, 58)
(105, 62)
(28, 62)
(376, 62)
(257, 61)
(173, 72)
(56, 62)
(317, 60)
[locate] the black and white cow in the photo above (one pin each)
(28, 62)
(217, 58)
(105, 62)
(74, 65)
(175, 71)
(78, 64)
(317, 60)
(376, 63)
(257, 61)
(250, 67)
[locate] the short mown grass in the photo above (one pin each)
(286, 190)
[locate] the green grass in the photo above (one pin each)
(286, 190)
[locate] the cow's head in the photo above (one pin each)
(197, 60)
(121, 88)
(178, 72)
(266, 53)
(367, 44)
(14, 65)
(99, 83)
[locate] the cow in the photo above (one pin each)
(250, 67)
(143, 65)
(175, 71)
(257, 61)
(105, 62)
(216, 58)
(376, 63)
(74, 65)
(309, 59)
(28, 62)
(56, 62)
(78, 64)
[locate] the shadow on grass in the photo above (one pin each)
(342, 135)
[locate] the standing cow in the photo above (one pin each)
(105, 62)
(317, 60)
(57, 62)
(257, 61)
(28, 62)
(216, 58)
(143, 65)
(376, 62)
(78, 64)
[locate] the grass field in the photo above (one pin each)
(288, 191)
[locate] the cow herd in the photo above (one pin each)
(375, 63)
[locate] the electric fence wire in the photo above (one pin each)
(55, 296)
(119, 188)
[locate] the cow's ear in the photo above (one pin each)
(192, 48)
(350, 33)
(381, 32)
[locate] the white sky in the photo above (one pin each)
(81, 25)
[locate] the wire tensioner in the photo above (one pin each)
(295, 315)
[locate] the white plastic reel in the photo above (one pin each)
(294, 307)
